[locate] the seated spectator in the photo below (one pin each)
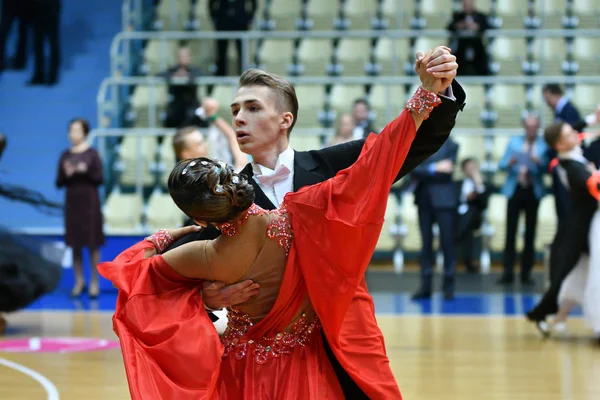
(190, 142)
(183, 98)
(344, 130)
(473, 200)
(467, 29)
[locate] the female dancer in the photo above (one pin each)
(309, 256)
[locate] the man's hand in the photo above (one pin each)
(428, 81)
(442, 64)
(210, 106)
(217, 296)
(444, 166)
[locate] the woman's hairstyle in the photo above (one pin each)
(209, 190)
(84, 125)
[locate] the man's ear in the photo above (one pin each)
(287, 120)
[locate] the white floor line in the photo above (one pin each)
(41, 379)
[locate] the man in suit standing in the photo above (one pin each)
(472, 202)
(525, 162)
(436, 200)
(360, 112)
(265, 109)
(230, 15)
(571, 239)
(467, 29)
(564, 111)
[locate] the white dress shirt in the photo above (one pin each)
(277, 192)
(468, 187)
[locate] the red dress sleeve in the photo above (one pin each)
(170, 347)
(337, 222)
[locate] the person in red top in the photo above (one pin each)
(312, 249)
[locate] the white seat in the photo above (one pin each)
(123, 213)
(469, 146)
(314, 55)
(285, 14)
(585, 51)
(360, 13)
(311, 99)
(354, 55)
(410, 220)
(510, 54)
(342, 96)
(471, 115)
(162, 213)
(509, 103)
(276, 55)
(586, 97)
(322, 14)
(550, 53)
(160, 55)
(300, 142)
(386, 240)
(496, 215)
(392, 54)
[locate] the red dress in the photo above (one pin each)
(171, 349)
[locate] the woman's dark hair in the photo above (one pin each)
(84, 124)
(209, 190)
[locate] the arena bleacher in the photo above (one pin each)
(334, 52)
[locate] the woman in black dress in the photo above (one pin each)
(80, 171)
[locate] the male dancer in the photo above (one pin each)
(571, 239)
(270, 110)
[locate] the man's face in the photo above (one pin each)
(195, 146)
(360, 112)
(532, 125)
(550, 99)
(258, 123)
(568, 139)
(468, 6)
(184, 57)
(470, 168)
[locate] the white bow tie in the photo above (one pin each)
(279, 175)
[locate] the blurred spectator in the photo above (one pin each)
(183, 97)
(14, 10)
(80, 172)
(437, 200)
(565, 111)
(190, 142)
(2, 144)
(525, 162)
(467, 29)
(361, 110)
(46, 24)
(230, 15)
(344, 130)
(473, 200)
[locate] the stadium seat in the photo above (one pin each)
(546, 223)
(397, 14)
(276, 56)
(354, 55)
(391, 55)
(509, 53)
(470, 146)
(285, 14)
(386, 105)
(437, 13)
(359, 13)
(224, 94)
(131, 157)
(386, 241)
(549, 53)
(302, 142)
(585, 50)
(162, 213)
(314, 56)
(512, 12)
(588, 13)
(322, 15)
(550, 13)
(172, 15)
(509, 103)
(410, 222)
(160, 55)
(586, 97)
(123, 213)
(471, 115)
(342, 97)
(496, 216)
(166, 157)
(143, 98)
(311, 99)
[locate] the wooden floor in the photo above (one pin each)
(433, 357)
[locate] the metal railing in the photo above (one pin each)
(121, 57)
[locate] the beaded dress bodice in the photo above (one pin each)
(267, 270)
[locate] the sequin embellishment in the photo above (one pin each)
(231, 228)
(280, 229)
(265, 348)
